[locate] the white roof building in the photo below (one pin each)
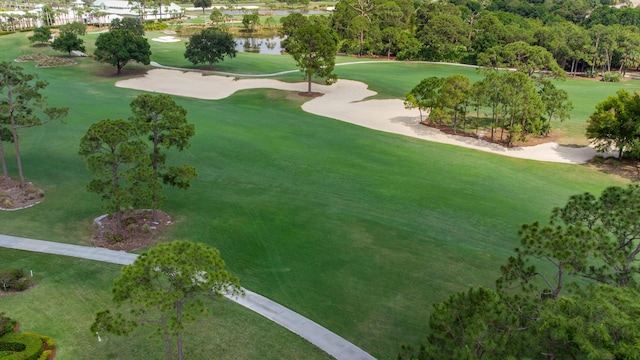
(127, 9)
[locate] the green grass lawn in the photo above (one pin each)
(69, 292)
(359, 230)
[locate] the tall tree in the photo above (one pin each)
(251, 21)
(113, 154)
(425, 95)
(163, 286)
(132, 24)
(210, 46)
(523, 57)
(455, 92)
(540, 310)
(40, 34)
(202, 4)
(314, 48)
(164, 123)
(68, 41)
(118, 47)
(616, 124)
(20, 97)
(556, 103)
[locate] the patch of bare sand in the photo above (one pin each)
(346, 101)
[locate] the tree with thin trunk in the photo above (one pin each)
(425, 95)
(313, 47)
(164, 124)
(20, 97)
(163, 286)
(114, 154)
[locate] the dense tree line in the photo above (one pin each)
(516, 105)
(578, 35)
(570, 291)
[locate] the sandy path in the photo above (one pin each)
(344, 101)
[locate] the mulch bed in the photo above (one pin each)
(139, 230)
(14, 197)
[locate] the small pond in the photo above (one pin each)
(259, 45)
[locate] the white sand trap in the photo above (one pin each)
(344, 101)
(166, 39)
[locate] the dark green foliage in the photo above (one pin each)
(164, 123)
(76, 27)
(7, 324)
(163, 287)
(131, 24)
(543, 309)
(118, 47)
(251, 21)
(113, 154)
(202, 4)
(20, 96)
(313, 47)
(210, 46)
(68, 41)
(41, 34)
(615, 125)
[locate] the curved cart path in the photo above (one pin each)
(346, 100)
(331, 343)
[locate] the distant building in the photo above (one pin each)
(126, 9)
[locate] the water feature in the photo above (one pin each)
(259, 45)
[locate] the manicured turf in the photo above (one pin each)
(69, 292)
(359, 230)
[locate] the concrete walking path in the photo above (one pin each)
(329, 342)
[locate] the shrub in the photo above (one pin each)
(6, 324)
(45, 355)
(31, 343)
(611, 76)
(155, 26)
(6, 202)
(591, 73)
(14, 280)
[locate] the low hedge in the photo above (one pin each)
(28, 345)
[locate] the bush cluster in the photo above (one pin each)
(155, 26)
(29, 346)
(14, 280)
(611, 76)
(7, 324)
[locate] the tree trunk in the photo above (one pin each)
(179, 317)
(167, 340)
(309, 83)
(14, 132)
(5, 173)
(118, 214)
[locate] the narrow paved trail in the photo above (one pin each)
(316, 334)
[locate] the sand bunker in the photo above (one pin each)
(166, 39)
(344, 101)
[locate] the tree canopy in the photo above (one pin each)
(616, 125)
(163, 286)
(313, 46)
(20, 97)
(113, 154)
(164, 123)
(41, 34)
(68, 41)
(210, 46)
(569, 292)
(202, 4)
(118, 47)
